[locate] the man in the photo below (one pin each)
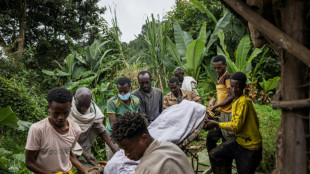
(131, 134)
(186, 82)
(119, 104)
(151, 99)
(224, 99)
(89, 117)
(50, 141)
(177, 95)
(246, 148)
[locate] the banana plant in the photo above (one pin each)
(189, 53)
(81, 68)
(8, 118)
(194, 53)
(242, 55)
(267, 87)
(270, 84)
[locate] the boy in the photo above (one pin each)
(51, 140)
(246, 146)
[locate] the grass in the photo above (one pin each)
(269, 120)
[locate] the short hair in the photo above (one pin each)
(144, 72)
(174, 80)
(240, 77)
(219, 58)
(59, 95)
(123, 80)
(129, 125)
(178, 70)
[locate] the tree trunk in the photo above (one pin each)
(292, 156)
(22, 28)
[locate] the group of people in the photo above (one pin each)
(64, 139)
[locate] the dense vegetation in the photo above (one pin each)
(68, 43)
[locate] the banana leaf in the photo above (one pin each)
(202, 8)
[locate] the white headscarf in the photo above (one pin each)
(87, 120)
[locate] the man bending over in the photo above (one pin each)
(131, 134)
(89, 117)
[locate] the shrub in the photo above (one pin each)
(269, 120)
(26, 106)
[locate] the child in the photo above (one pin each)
(246, 146)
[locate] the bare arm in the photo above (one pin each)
(227, 100)
(106, 137)
(76, 163)
(31, 163)
(112, 118)
(165, 102)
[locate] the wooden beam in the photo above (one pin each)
(290, 105)
(270, 31)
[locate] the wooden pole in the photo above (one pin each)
(290, 105)
(295, 60)
(270, 31)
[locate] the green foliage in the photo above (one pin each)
(242, 58)
(51, 28)
(11, 162)
(157, 59)
(86, 67)
(269, 84)
(268, 87)
(191, 18)
(25, 107)
(269, 120)
(203, 9)
(194, 49)
(8, 117)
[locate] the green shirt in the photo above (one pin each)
(116, 106)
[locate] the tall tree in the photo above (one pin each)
(50, 26)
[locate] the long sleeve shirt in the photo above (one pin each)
(151, 104)
(244, 124)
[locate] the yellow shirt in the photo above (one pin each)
(244, 124)
(222, 86)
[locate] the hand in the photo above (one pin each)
(90, 159)
(91, 169)
(211, 124)
(102, 163)
(212, 108)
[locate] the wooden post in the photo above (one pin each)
(293, 75)
(291, 140)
